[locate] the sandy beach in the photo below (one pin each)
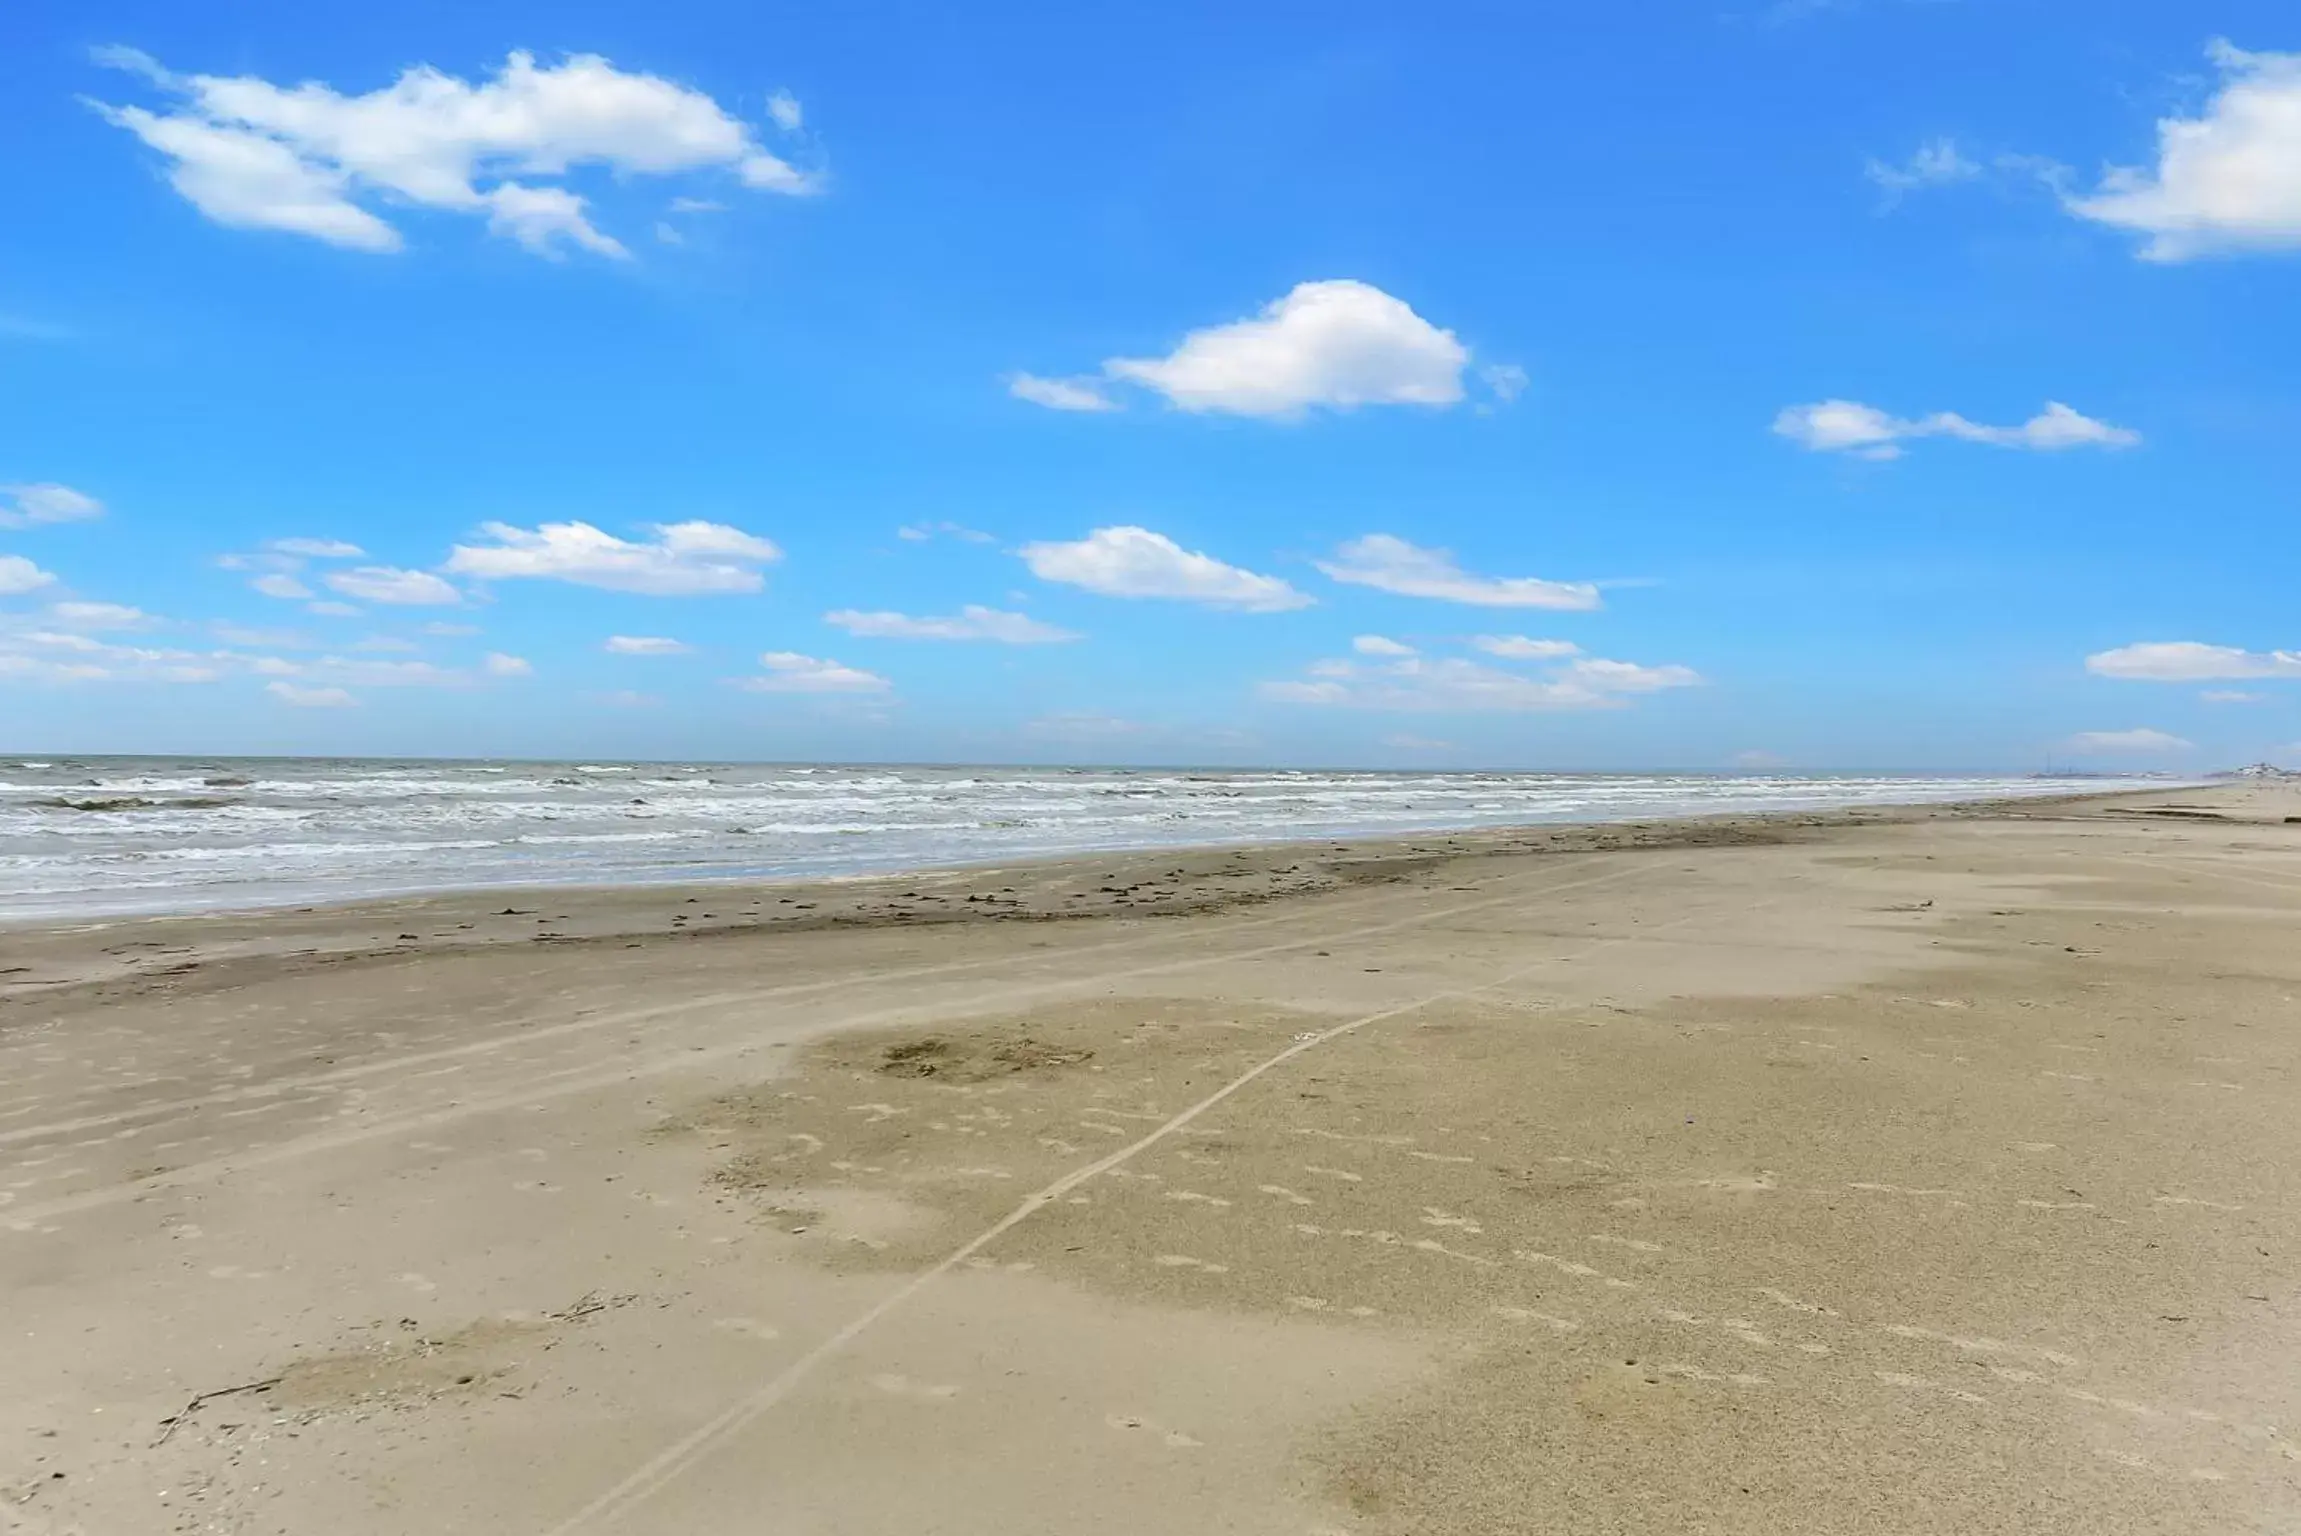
(1892, 1171)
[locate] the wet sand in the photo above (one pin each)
(1910, 1171)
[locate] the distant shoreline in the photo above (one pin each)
(174, 837)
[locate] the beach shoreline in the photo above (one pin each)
(149, 837)
(1911, 1170)
(48, 951)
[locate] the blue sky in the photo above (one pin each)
(1868, 384)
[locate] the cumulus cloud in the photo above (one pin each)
(2190, 661)
(1390, 564)
(393, 586)
(1458, 685)
(497, 664)
(790, 672)
(2228, 180)
(29, 506)
(645, 645)
(1525, 648)
(682, 560)
(973, 622)
(1060, 394)
(2142, 739)
(1380, 645)
(1848, 426)
(1127, 561)
(310, 698)
(312, 161)
(1333, 345)
(18, 574)
(282, 585)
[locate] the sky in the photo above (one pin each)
(1820, 384)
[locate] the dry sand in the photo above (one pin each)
(1925, 1171)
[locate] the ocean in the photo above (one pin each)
(94, 836)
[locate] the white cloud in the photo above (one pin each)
(2190, 661)
(312, 161)
(1848, 426)
(2231, 696)
(1935, 163)
(18, 574)
(1338, 345)
(393, 586)
(790, 672)
(1524, 648)
(1060, 394)
(697, 205)
(784, 109)
(310, 698)
(1380, 645)
(281, 585)
(1603, 676)
(27, 506)
(1457, 685)
(100, 616)
(1390, 564)
(2141, 739)
(498, 664)
(920, 533)
(315, 549)
(1127, 561)
(645, 645)
(684, 559)
(2228, 180)
(331, 609)
(973, 622)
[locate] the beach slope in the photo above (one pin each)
(1922, 1171)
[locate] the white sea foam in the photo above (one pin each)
(102, 835)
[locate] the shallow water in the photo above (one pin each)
(109, 835)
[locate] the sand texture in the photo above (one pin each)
(1884, 1172)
